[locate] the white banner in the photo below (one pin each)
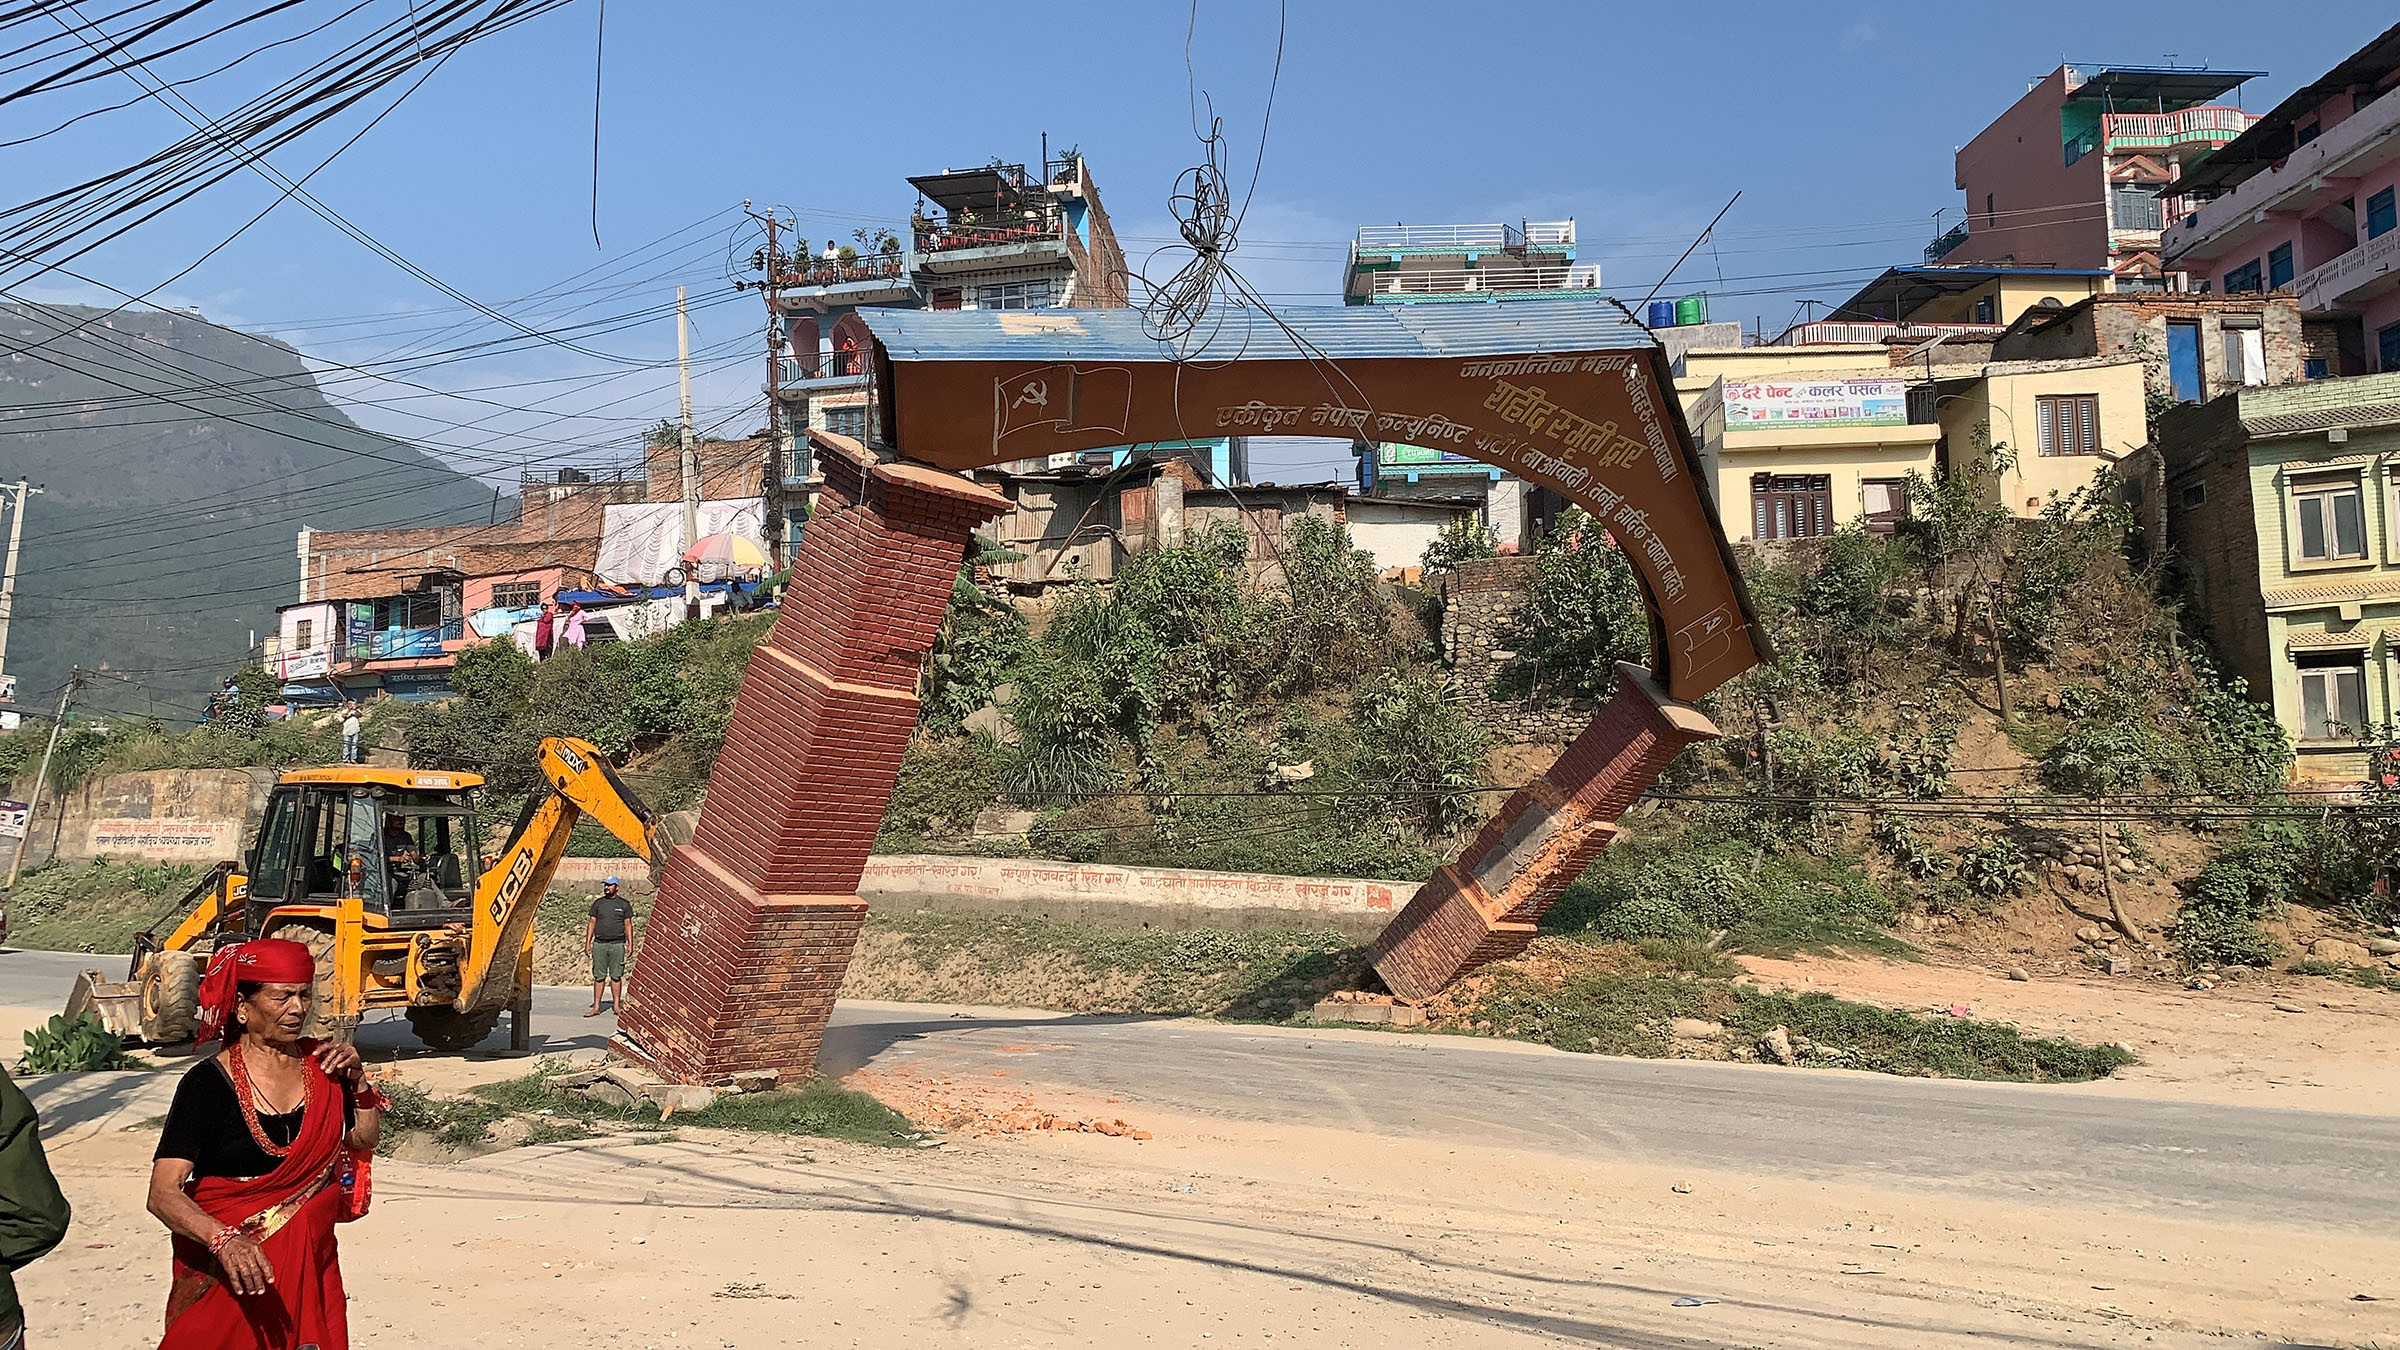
(639, 541)
(12, 820)
(1815, 403)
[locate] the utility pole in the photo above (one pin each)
(691, 461)
(33, 799)
(778, 461)
(8, 576)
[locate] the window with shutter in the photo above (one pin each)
(2333, 695)
(2067, 424)
(1791, 506)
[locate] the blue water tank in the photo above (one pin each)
(1662, 314)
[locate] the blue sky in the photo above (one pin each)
(1836, 121)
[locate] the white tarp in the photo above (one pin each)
(639, 541)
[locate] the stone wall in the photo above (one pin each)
(1481, 603)
(198, 816)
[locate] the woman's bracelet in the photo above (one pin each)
(224, 1235)
(365, 1096)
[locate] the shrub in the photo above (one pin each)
(2248, 881)
(1585, 612)
(1419, 759)
(74, 1047)
(1465, 539)
(1996, 867)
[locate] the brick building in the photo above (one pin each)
(2282, 507)
(2196, 347)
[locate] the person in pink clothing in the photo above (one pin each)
(575, 627)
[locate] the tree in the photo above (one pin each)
(1586, 612)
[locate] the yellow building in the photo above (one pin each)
(2059, 421)
(1799, 441)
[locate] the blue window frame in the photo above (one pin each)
(2183, 360)
(2279, 267)
(2243, 278)
(2314, 368)
(2381, 216)
(2387, 348)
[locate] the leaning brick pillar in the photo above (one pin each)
(757, 916)
(1482, 907)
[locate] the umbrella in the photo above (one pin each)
(730, 550)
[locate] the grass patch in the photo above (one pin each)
(1689, 887)
(1628, 1014)
(1267, 973)
(92, 906)
(822, 1109)
(2365, 977)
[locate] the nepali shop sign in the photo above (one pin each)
(1752, 404)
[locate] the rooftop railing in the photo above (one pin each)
(1946, 242)
(1499, 235)
(2138, 131)
(941, 236)
(835, 271)
(1833, 331)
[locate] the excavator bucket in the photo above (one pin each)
(118, 1002)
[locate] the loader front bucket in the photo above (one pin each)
(118, 1003)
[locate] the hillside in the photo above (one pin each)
(179, 459)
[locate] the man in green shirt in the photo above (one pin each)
(33, 1213)
(604, 937)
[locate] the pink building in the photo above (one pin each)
(2305, 201)
(2070, 175)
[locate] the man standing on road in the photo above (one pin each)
(604, 937)
(350, 733)
(33, 1214)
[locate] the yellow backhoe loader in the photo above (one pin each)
(383, 874)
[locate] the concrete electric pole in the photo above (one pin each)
(691, 461)
(8, 575)
(33, 799)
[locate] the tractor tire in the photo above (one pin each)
(319, 941)
(170, 998)
(446, 1028)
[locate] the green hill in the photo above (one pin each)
(178, 460)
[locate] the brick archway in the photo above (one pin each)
(756, 918)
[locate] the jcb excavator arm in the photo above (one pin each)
(509, 893)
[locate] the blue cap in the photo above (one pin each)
(608, 881)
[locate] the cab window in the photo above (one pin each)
(428, 842)
(271, 866)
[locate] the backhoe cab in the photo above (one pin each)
(384, 874)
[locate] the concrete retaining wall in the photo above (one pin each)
(1131, 897)
(197, 816)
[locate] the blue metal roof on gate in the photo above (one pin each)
(1337, 333)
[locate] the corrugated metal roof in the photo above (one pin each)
(1339, 333)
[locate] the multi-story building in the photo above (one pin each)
(2071, 175)
(1797, 441)
(1455, 264)
(2308, 200)
(2282, 505)
(2197, 347)
(996, 237)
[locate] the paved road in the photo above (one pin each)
(2024, 1143)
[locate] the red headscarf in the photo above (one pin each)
(258, 961)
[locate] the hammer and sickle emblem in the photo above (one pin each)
(1035, 392)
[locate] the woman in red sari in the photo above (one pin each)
(261, 1155)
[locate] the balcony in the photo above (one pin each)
(1946, 242)
(2209, 124)
(2348, 278)
(966, 231)
(1476, 283)
(832, 368)
(837, 271)
(400, 643)
(2312, 181)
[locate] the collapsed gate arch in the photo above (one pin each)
(756, 917)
